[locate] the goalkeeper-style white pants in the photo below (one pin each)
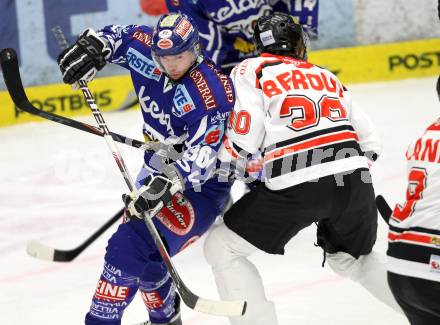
(237, 278)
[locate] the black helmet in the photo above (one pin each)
(279, 34)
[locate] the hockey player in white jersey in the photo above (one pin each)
(414, 235)
(316, 146)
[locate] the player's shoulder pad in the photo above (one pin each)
(246, 70)
(210, 89)
(142, 34)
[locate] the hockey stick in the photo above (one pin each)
(384, 209)
(223, 308)
(11, 75)
(41, 251)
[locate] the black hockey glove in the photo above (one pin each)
(159, 189)
(84, 59)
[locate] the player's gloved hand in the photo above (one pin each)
(84, 59)
(158, 189)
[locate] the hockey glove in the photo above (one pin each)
(84, 59)
(159, 189)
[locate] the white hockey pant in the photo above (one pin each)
(368, 270)
(236, 277)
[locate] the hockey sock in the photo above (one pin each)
(114, 292)
(159, 298)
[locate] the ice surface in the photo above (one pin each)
(58, 185)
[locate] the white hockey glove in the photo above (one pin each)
(159, 189)
(84, 59)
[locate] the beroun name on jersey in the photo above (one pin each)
(414, 236)
(331, 134)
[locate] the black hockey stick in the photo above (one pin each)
(11, 75)
(384, 209)
(38, 250)
(223, 308)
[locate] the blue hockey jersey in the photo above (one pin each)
(191, 112)
(225, 26)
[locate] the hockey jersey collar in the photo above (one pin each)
(287, 59)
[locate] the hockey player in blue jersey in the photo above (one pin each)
(185, 103)
(226, 26)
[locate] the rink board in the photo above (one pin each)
(360, 64)
(382, 62)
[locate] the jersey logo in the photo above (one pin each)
(178, 215)
(214, 135)
(203, 88)
(183, 104)
(144, 38)
(151, 107)
(142, 65)
(225, 82)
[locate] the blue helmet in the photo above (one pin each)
(175, 33)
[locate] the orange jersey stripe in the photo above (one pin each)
(408, 236)
(310, 144)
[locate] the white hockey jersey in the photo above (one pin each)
(300, 117)
(414, 236)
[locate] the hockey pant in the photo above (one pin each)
(236, 277)
(227, 254)
(132, 261)
(370, 271)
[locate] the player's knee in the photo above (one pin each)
(216, 248)
(344, 265)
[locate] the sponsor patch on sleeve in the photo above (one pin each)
(183, 104)
(143, 65)
(203, 89)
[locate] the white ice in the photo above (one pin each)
(58, 185)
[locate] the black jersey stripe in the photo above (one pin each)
(415, 229)
(411, 252)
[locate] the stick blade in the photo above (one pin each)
(221, 308)
(40, 251)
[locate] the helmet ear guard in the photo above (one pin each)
(280, 34)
